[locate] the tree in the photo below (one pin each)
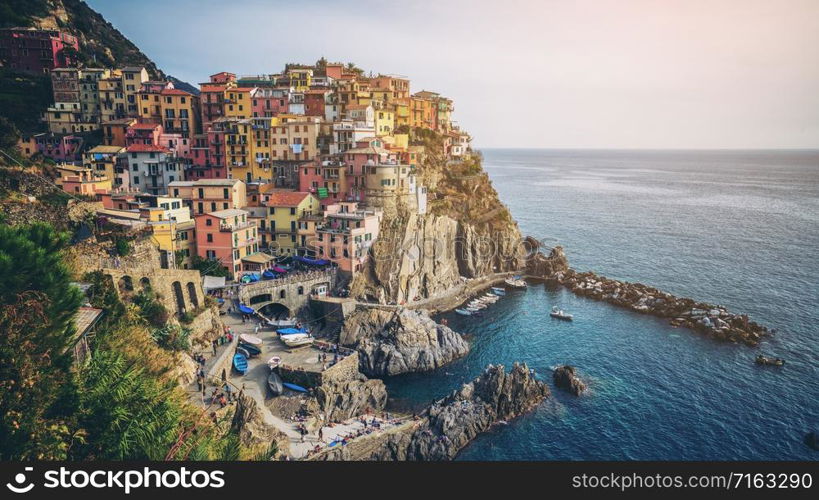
(209, 267)
(9, 135)
(37, 308)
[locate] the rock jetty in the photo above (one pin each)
(712, 320)
(565, 377)
(449, 424)
(391, 342)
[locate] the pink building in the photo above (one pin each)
(227, 237)
(267, 102)
(36, 51)
(60, 148)
(346, 235)
(357, 159)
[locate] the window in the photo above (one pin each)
(210, 238)
(208, 222)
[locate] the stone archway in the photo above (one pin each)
(125, 284)
(275, 311)
(258, 299)
(145, 283)
(192, 294)
(180, 297)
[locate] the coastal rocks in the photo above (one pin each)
(391, 342)
(452, 422)
(342, 400)
(565, 377)
(542, 266)
(254, 433)
(713, 320)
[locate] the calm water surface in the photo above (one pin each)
(734, 228)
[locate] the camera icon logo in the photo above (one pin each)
(20, 479)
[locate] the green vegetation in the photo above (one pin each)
(208, 267)
(151, 309)
(123, 404)
(123, 246)
(23, 98)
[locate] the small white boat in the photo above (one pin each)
(500, 292)
(274, 362)
(560, 314)
(463, 312)
(282, 323)
(296, 342)
(250, 339)
(515, 282)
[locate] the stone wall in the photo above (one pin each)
(285, 290)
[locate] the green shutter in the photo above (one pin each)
(322, 193)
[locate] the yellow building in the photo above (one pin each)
(180, 112)
(238, 139)
(103, 161)
(295, 140)
(172, 228)
(300, 78)
(238, 103)
(113, 103)
(401, 109)
(285, 208)
(384, 122)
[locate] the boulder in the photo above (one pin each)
(565, 377)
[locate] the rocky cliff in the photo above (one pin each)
(345, 392)
(391, 342)
(452, 422)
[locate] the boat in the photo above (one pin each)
(299, 341)
(290, 331)
(515, 282)
(500, 292)
(269, 275)
(274, 362)
(250, 339)
(246, 310)
(294, 387)
(560, 314)
(293, 336)
(281, 323)
(243, 352)
(762, 360)
(275, 383)
(240, 363)
(463, 312)
(251, 349)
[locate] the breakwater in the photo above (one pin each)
(713, 320)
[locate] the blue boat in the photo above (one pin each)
(246, 310)
(294, 387)
(269, 275)
(240, 363)
(290, 331)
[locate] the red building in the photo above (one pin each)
(314, 102)
(36, 51)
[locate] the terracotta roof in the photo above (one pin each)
(286, 198)
(144, 126)
(147, 148)
(174, 92)
(212, 88)
(241, 89)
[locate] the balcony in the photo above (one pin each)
(229, 228)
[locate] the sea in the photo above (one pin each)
(737, 228)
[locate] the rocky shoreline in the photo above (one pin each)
(712, 320)
(565, 377)
(449, 424)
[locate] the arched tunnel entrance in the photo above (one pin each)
(275, 311)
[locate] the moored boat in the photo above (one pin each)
(296, 341)
(560, 314)
(515, 282)
(762, 360)
(251, 349)
(246, 338)
(463, 312)
(240, 363)
(500, 292)
(294, 387)
(274, 362)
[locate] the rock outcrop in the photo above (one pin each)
(391, 342)
(255, 435)
(543, 266)
(713, 320)
(565, 377)
(452, 422)
(340, 398)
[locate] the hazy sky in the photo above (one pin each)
(548, 73)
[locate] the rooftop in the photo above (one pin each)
(286, 198)
(224, 214)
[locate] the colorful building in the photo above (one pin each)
(106, 162)
(226, 237)
(211, 195)
(284, 209)
(152, 168)
(180, 112)
(346, 236)
(36, 50)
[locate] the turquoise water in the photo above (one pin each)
(733, 228)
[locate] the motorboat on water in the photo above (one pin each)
(500, 292)
(560, 314)
(762, 360)
(463, 312)
(515, 282)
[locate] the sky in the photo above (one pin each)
(530, 73)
